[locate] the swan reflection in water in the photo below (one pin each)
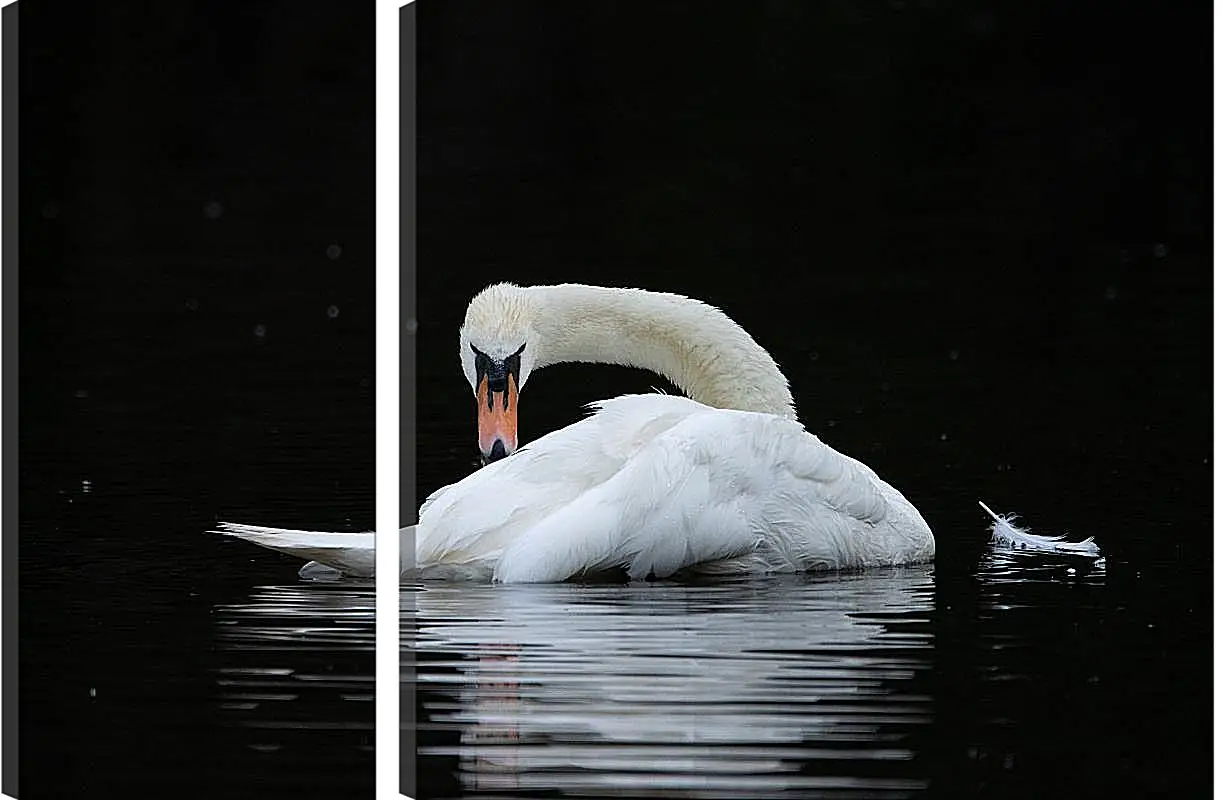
(731, 688)
(294, 677)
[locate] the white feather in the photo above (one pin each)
(1005, 532)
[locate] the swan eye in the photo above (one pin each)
(484, 364)
(513, 362)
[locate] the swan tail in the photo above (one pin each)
(1005, 532)
(345, 553)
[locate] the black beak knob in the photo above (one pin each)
(498, 451)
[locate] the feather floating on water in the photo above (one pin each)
(1006, 532)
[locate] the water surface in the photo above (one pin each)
(1024, 676)
(727, 689)
(293, 670)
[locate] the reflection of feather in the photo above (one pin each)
(1007, 533)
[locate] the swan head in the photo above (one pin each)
(498, 350)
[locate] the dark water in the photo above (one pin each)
(743, 689)
(977, 240)
(296, 670)
(832, 686)
(196, 344)
(1022, 676)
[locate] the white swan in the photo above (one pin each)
(725, 482)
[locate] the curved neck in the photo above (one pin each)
(695, 346)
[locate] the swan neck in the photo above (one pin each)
(694, 345)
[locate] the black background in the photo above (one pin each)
(184, 169)
(976, 237)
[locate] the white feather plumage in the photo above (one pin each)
(657, 484)
(1005, 532)
(348, 553)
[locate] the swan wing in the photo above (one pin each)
(475, 519)
(655, 484)
(716, 485)
(349, 553)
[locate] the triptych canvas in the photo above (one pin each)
(466, 399)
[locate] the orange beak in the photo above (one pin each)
(497, 419)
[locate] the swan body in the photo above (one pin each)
(657, 484)
(723, 481)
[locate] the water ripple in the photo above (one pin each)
(742, 689)
(296, 663)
